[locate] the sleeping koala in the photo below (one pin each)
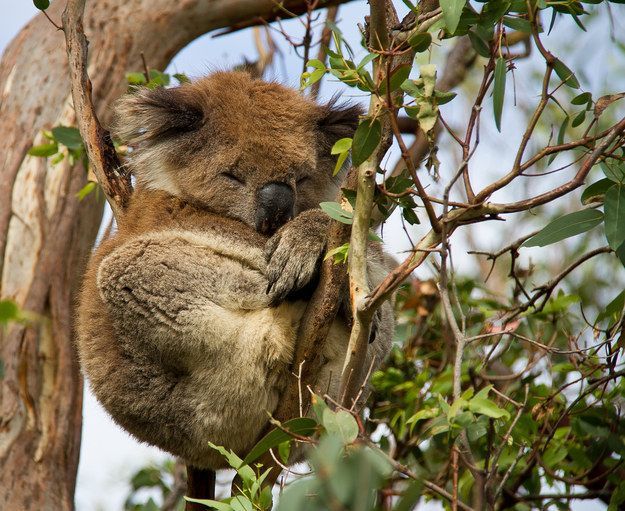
(189, 314)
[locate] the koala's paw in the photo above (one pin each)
(294, 253)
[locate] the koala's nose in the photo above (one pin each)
(275, 207)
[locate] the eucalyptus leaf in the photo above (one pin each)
(341, 424)
(565, 227)
(499, 90)
(582, 99)
(452, 10)
(579, 119)
(44, 150)
(9, 311)
(614, 207)
(300, 426)
(42, 5)
(336, 212)
(479, 45)
(420, 41)
(596, 191)
(484, 406)
(211, 504)
(520, 24)
(341, 145)
(561, 133)
(614, 170)
(68, 136)
(366, 139)
(565, 74)
(613, 309)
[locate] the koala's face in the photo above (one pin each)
(239, 147)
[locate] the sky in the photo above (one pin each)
(109, 456)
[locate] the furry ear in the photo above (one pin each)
(337, 121)
(149, 115)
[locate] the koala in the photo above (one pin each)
(188, 314)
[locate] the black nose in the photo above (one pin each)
(275, 207)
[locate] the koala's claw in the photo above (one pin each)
(294, 253)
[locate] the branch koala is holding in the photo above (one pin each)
(189, 314)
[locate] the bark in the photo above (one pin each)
(46, 233)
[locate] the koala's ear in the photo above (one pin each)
(337, 121)
(149, 115)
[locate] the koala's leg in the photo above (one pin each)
(202, 353)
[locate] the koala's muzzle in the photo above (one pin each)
(275, 207)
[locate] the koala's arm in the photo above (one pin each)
(182, 285)
(294, 255)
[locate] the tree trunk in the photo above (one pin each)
(46, 232)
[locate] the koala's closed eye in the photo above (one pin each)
(233, 178)
(302, 180)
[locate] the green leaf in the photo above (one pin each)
(615, 171)
(214, 504)
(284, 450)
(9, 311)
(476, 430)
(44, 150)
(565, 227)
(561, 133)
(158, 79)
(339, 254)
(241, 503)
(86, 190)
(452, 10)
(319, 406)
(554, 455)
(613, 309)
(596, 191)
(410, 497)
(444, 97)
(372, 237)
(340, 161)
(565, 74)
(366, 139)
(520, 24)
(420, 41)
(499, 90)
(410, 216)
(579, 119)
(398, 76)
(68, 136)
(342, 145)
(341, 424)
(614, 207)
(370, 57)
(620, 253)
(233, 460)
(428, 413)
(42, 5)
(181, 78)
(582, 99)
(300, 426)
(479, 45)
(487, 407)
(618, 495)
(136, 78)
(336, 212)
(300, 494)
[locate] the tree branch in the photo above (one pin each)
(98, 144)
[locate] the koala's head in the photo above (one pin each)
(239, 147)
